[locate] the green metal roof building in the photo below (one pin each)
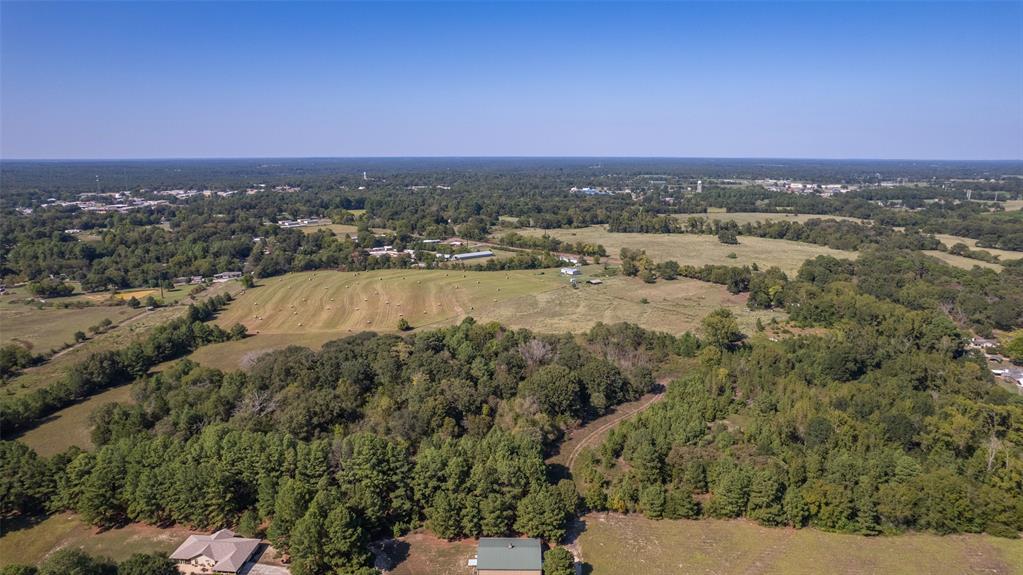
(509, 556)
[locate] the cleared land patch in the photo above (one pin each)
(311, 308)
(70, 426)
(133, 327)
(31, 544)
(425, 554)
(740, 547)
(1004, 255)
(962, 262)
(45, 328)
(698, 249)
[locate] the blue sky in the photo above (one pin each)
(814, 80)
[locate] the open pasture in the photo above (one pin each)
(44, 328)
(711, 546)
(30, 544)
(962, 262)
(132, 327)
(950, 240)
(754, 217)
(341, 229)
(698, 249)
(311, 308)
(70, 426)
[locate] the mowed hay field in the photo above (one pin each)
(698, 249)
(615, 544)
(311, 308)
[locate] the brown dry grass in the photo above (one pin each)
(697, 249)
(614, 544)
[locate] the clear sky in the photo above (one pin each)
(812, 80)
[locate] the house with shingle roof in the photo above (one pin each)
(222, 552)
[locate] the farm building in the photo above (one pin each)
(508, 556)
(473, 255)
(222, 552)
(1012, 374)
(570, 271)
(226, 276)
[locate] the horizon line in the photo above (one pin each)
(503, 157)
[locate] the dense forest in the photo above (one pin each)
(877, 427)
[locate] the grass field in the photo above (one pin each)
(133, 327)
(961, 262)
(31, 544)
(424, 554)
(311, 308)
(341, 229)
(694, 249)
(950, 241)
(754, 217)
(70, 426)
(42, 329)
(738, 547)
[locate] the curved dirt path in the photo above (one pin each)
(588, 434)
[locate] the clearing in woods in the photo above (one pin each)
(71, 426)
(962, 262)
(1004, 255)
(29, 544)
(698, 249)
(424, 554)
(713, 546)
(312, 308)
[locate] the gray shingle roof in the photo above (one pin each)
(229, 552)
(509, 554)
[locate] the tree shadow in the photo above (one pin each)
(390, 553)
(12, 524)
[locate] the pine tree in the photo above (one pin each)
(652, 501)
(765, 499)
(345, 544)
(443, 516)
(541, 513)
(558, 561)
(290, 506)
(680, 504)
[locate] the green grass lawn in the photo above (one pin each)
(698, 249)
(614, 544)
